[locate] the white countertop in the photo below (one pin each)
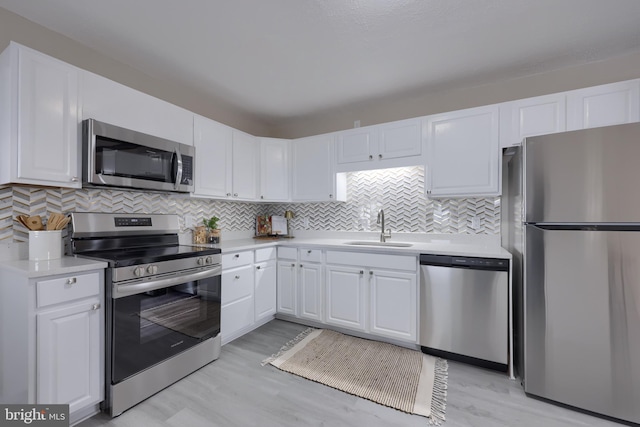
(64, 265)
(438, 246)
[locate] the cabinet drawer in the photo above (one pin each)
(237, 259)
(67, 288)
(288, 253)
(311, 255)
(237, 284)
(265, 254)
(362, 259)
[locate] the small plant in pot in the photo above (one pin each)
(212, 228)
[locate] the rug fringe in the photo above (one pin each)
(288, 346)
(439, 397)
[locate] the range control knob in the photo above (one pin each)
(152, 269)
(209, 260)
(200, 261)
(138, 271)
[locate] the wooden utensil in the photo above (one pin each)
(22, 219)
(34, 223)
(54, 220)
(63, 223)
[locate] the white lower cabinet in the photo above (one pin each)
(52, 340)
(310, 286)
(393, 304)
(286, 294)
(345, 297)
(69, 355)
(265, 290)
(248, 291)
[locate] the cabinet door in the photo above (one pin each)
(605, 105)
(463, 153)
(275, 170)
(237, 311)
(213, 142)
(120, 105)
(531, 117)
(357, 145)
(69, 354)
(265, 290)
(47, 121)
(345, 297)
(310, 286)
(313, 169)
(393, 304)
(286, 294)
(399, 139)
(246, 166)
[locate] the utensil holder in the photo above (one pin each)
(45, 245)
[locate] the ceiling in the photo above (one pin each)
(283, 59)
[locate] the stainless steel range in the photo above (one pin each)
(163, 302)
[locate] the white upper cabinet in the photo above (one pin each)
(530, 117)
(605, 105)
(275, 169)
(314, 177)
(38, 119)
(463, 153)
(119, 105)
(246, 166)
(213, 142)
(387, 145)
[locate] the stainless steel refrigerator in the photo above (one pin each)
(580, 257)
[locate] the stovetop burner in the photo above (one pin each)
(133, 256)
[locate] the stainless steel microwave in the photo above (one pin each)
(118, 157)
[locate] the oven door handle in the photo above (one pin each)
(121, 291)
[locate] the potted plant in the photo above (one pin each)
(212, 228)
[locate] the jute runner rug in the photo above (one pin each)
(393, 376)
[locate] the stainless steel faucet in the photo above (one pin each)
(384, 235)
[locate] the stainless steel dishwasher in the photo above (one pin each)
(464, 309)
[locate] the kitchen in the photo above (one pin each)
(407, 210)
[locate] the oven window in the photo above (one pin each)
(117, 158)
(153, 326)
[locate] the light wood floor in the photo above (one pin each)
(236, 390)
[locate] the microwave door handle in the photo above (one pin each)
(179, 169)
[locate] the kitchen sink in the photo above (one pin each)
(372, 243)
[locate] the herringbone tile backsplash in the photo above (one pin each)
(399, 192)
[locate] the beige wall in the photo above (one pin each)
(14, 27)
(425, 103)
(415, 104)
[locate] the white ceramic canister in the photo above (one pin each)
(45, 245)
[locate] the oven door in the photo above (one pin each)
(153, 321)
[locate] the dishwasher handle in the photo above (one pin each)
(472, 263)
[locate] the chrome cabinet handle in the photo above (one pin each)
(71, 281)
(237, 277)
(308, 252)
(95, 307)
(262, 197)
(235, 194)
(361, 271)
(370, 157)
(370, 273)
(258, 268)
(236, 256)
(300, 265)
(228, 194)
(293, 265)
(331, 196)
(379, 156)
(74, 179)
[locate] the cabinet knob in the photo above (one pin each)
(258, 268)
(293, 265)
(370, 157)
(361, 271)
(228, 194)
(95, 307)
(370, 273)
(379, 156)
(235, 194)
(74, 179)
(236, 256)
(300, 265)
(237, 277)
(262, 197)
(331, 196)
(309, 252)
(71, 281)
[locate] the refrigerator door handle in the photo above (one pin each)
(586, 226)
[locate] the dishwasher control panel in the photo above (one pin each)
(494, 264)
